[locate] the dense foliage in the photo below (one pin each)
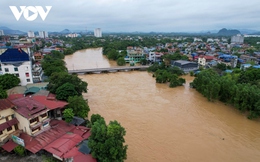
(56, 80)
(52, 64)
(79, 106)
(19, 150)
(8, 81)
(107, 141)
(68, 115)
(65, 91)
(239, 89)
(164, 74)
(121, 61)
(3, 93)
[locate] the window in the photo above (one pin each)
(17, 75)
(0, 68)
(44, 115)
(6, 118)
(16, 69)
(16, 127)
(27, 74)
(45, 124)
(12, 116)
(1, 132)
(9, 129)
(33, 120)
(6, 70)
(28, 80)
(35, 129)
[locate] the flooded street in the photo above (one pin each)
(166, 124)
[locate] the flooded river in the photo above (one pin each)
(166, 124)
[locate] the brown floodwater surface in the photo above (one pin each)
(169, 124)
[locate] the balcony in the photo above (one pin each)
(35, 124)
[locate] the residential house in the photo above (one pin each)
(17, 62)
(185, 66)
(32, 115)
(247, 58)
(38, 57)
(203, 59)
(37, 73)
(155, 56)
(134, 54)
(8, 121)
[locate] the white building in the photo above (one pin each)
(43, 34)
(237, 39)
(17, 62)
(98, 32)
(2, 32)
(73, 35)
(31, 34)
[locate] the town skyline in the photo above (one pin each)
(132, 15)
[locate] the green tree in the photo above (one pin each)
(58, 79)
(120, 61)
(143, 61)
(8, 81)
(51, 64)
(19, 150)
(107, 142)
(79, 105)
(68, 115)
(112, 54)
(95, 117)
(3, 93)
(65, 91)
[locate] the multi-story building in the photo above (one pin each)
(98, 32)
(31, 34)
(17, 62)
(43, 34)
(2, 32)
(239, 39)
(32, 115)
(8, 122)
(134, 54)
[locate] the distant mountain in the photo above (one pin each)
(230, 32)
(8, 31)
(65, 31)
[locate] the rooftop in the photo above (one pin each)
(14, 55)
(6, 104)
(29, 108)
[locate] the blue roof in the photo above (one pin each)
(14, 55)
(256, 66)
(228, 71)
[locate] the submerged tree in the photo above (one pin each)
(107, 141)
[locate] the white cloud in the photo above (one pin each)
(138, 15)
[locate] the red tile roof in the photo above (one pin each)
(9, 146)
(207, 57)
(8, 124)
(84, 132)
(15, 96)
(58, 129)
(6, 104)
(78, 156)
(64, 144)
(28, 107)
(50, 104)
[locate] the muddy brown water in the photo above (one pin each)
(166, 124)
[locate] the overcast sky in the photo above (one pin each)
(137, 15)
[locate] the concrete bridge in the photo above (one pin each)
(108, 70)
